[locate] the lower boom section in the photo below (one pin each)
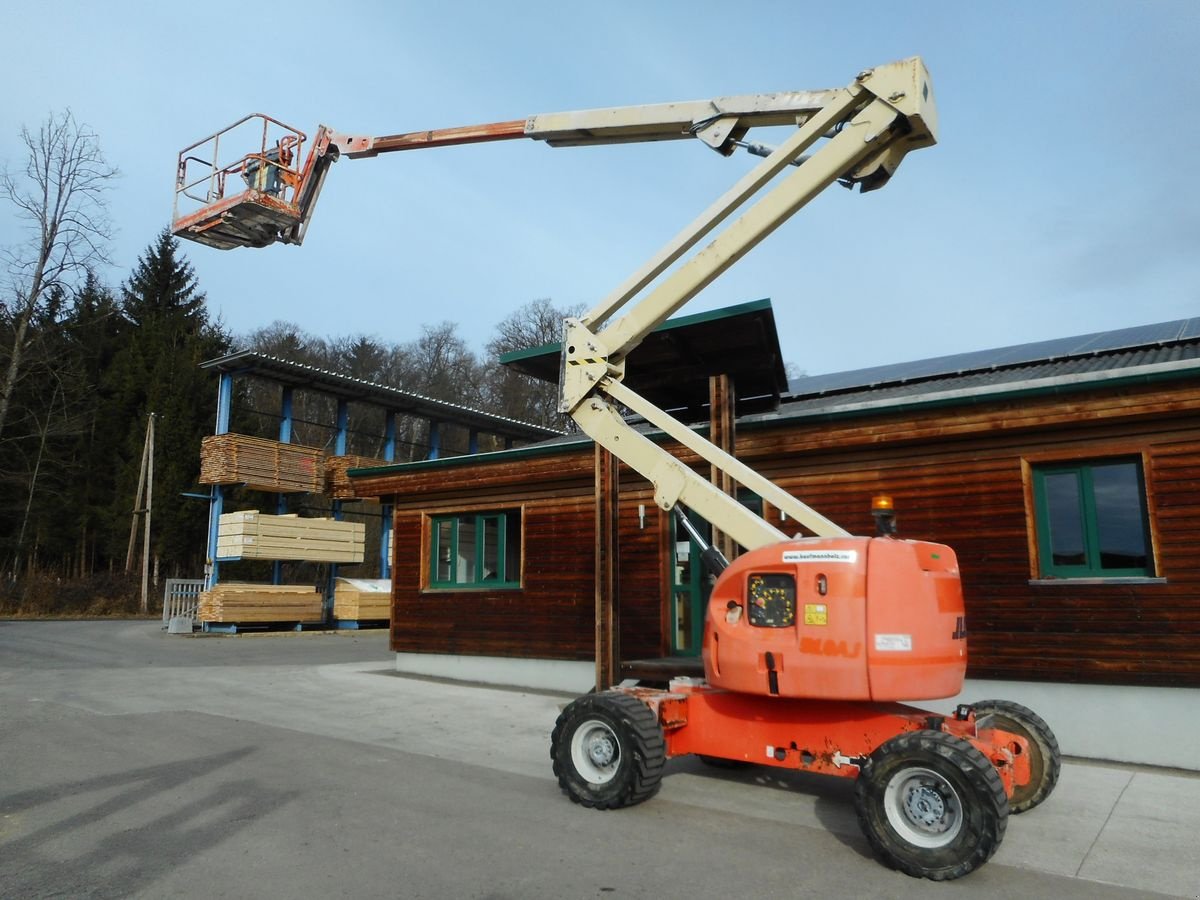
(933, 792)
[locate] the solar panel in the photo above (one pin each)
(1018, 354)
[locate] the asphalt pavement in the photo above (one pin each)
(139, 764)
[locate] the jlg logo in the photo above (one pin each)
(820, 647)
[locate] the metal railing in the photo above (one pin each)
(181, 597)
(272, 165)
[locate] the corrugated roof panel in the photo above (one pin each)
(347, 387)
(1149, 336)
(1032, 375)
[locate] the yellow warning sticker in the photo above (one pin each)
(816, 614)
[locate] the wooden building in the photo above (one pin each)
(1066, 475)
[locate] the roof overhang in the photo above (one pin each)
(672, 366)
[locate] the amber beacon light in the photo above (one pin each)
(884, 511)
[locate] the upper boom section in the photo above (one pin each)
(253, 183)
(854, 135)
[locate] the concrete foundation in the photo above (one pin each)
(1142, 725)
(1139, 725)
(540, 674)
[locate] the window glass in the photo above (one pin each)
(477, 549)
(512, 548)
(1122, 537)
(491, 549)
(444, 550)
(1066, 523)
(465, 574)
(1091, 519)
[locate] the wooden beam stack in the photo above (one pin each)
(338, 484)
(250, 535)
(362, 599)
(238, 603)
(261, 464)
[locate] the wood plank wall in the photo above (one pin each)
(957, 475)
(553, 616)
(965, 486)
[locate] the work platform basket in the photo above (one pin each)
(242, 186)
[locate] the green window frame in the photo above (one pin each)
(476, 550)
(1092, 519)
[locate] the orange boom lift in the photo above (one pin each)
(810, 643)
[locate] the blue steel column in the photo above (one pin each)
(389, 437)
(285, 416)
(339, 448)
(473, 441)
(343, 427)
(435, 439)
(385, 509)
(285, 437)
(216, 503)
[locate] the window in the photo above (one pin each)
(1091, 519)
(476, 550)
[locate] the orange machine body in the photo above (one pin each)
(839, 619)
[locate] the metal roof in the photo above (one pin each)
(671, 367)
(344, 387)
(1148, 352)
(1167, 350)
(1100, 342)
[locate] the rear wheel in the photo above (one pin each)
(1045, 759)
(931, 805)
(608, 751)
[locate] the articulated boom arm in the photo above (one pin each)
(873, 123)
(854, 135)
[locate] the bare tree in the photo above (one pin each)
(535, 324)
(60, 198)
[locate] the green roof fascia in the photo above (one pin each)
(537, 450)
(449, 462)
(669, 325)
(497, 456)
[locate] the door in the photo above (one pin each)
(690, 587)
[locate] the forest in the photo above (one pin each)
(85, 364)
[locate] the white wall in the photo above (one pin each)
(1144, 725)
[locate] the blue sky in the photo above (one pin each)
(1060, 200)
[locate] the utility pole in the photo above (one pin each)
(145, 488)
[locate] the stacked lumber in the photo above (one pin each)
(261, 464)
(238, 603)
(362, 599)
(251, 535)
(338, 484)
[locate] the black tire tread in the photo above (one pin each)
(648, 756)
(1041, 732)
(971, 764)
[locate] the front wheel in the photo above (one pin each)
(1045, 759)
(608, 751)
(931, 805)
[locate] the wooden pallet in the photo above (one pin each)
(240, 603)
(261, 464)
(362, 599)
(249, 534)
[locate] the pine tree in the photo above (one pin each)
(157, 371)
(95, 331)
